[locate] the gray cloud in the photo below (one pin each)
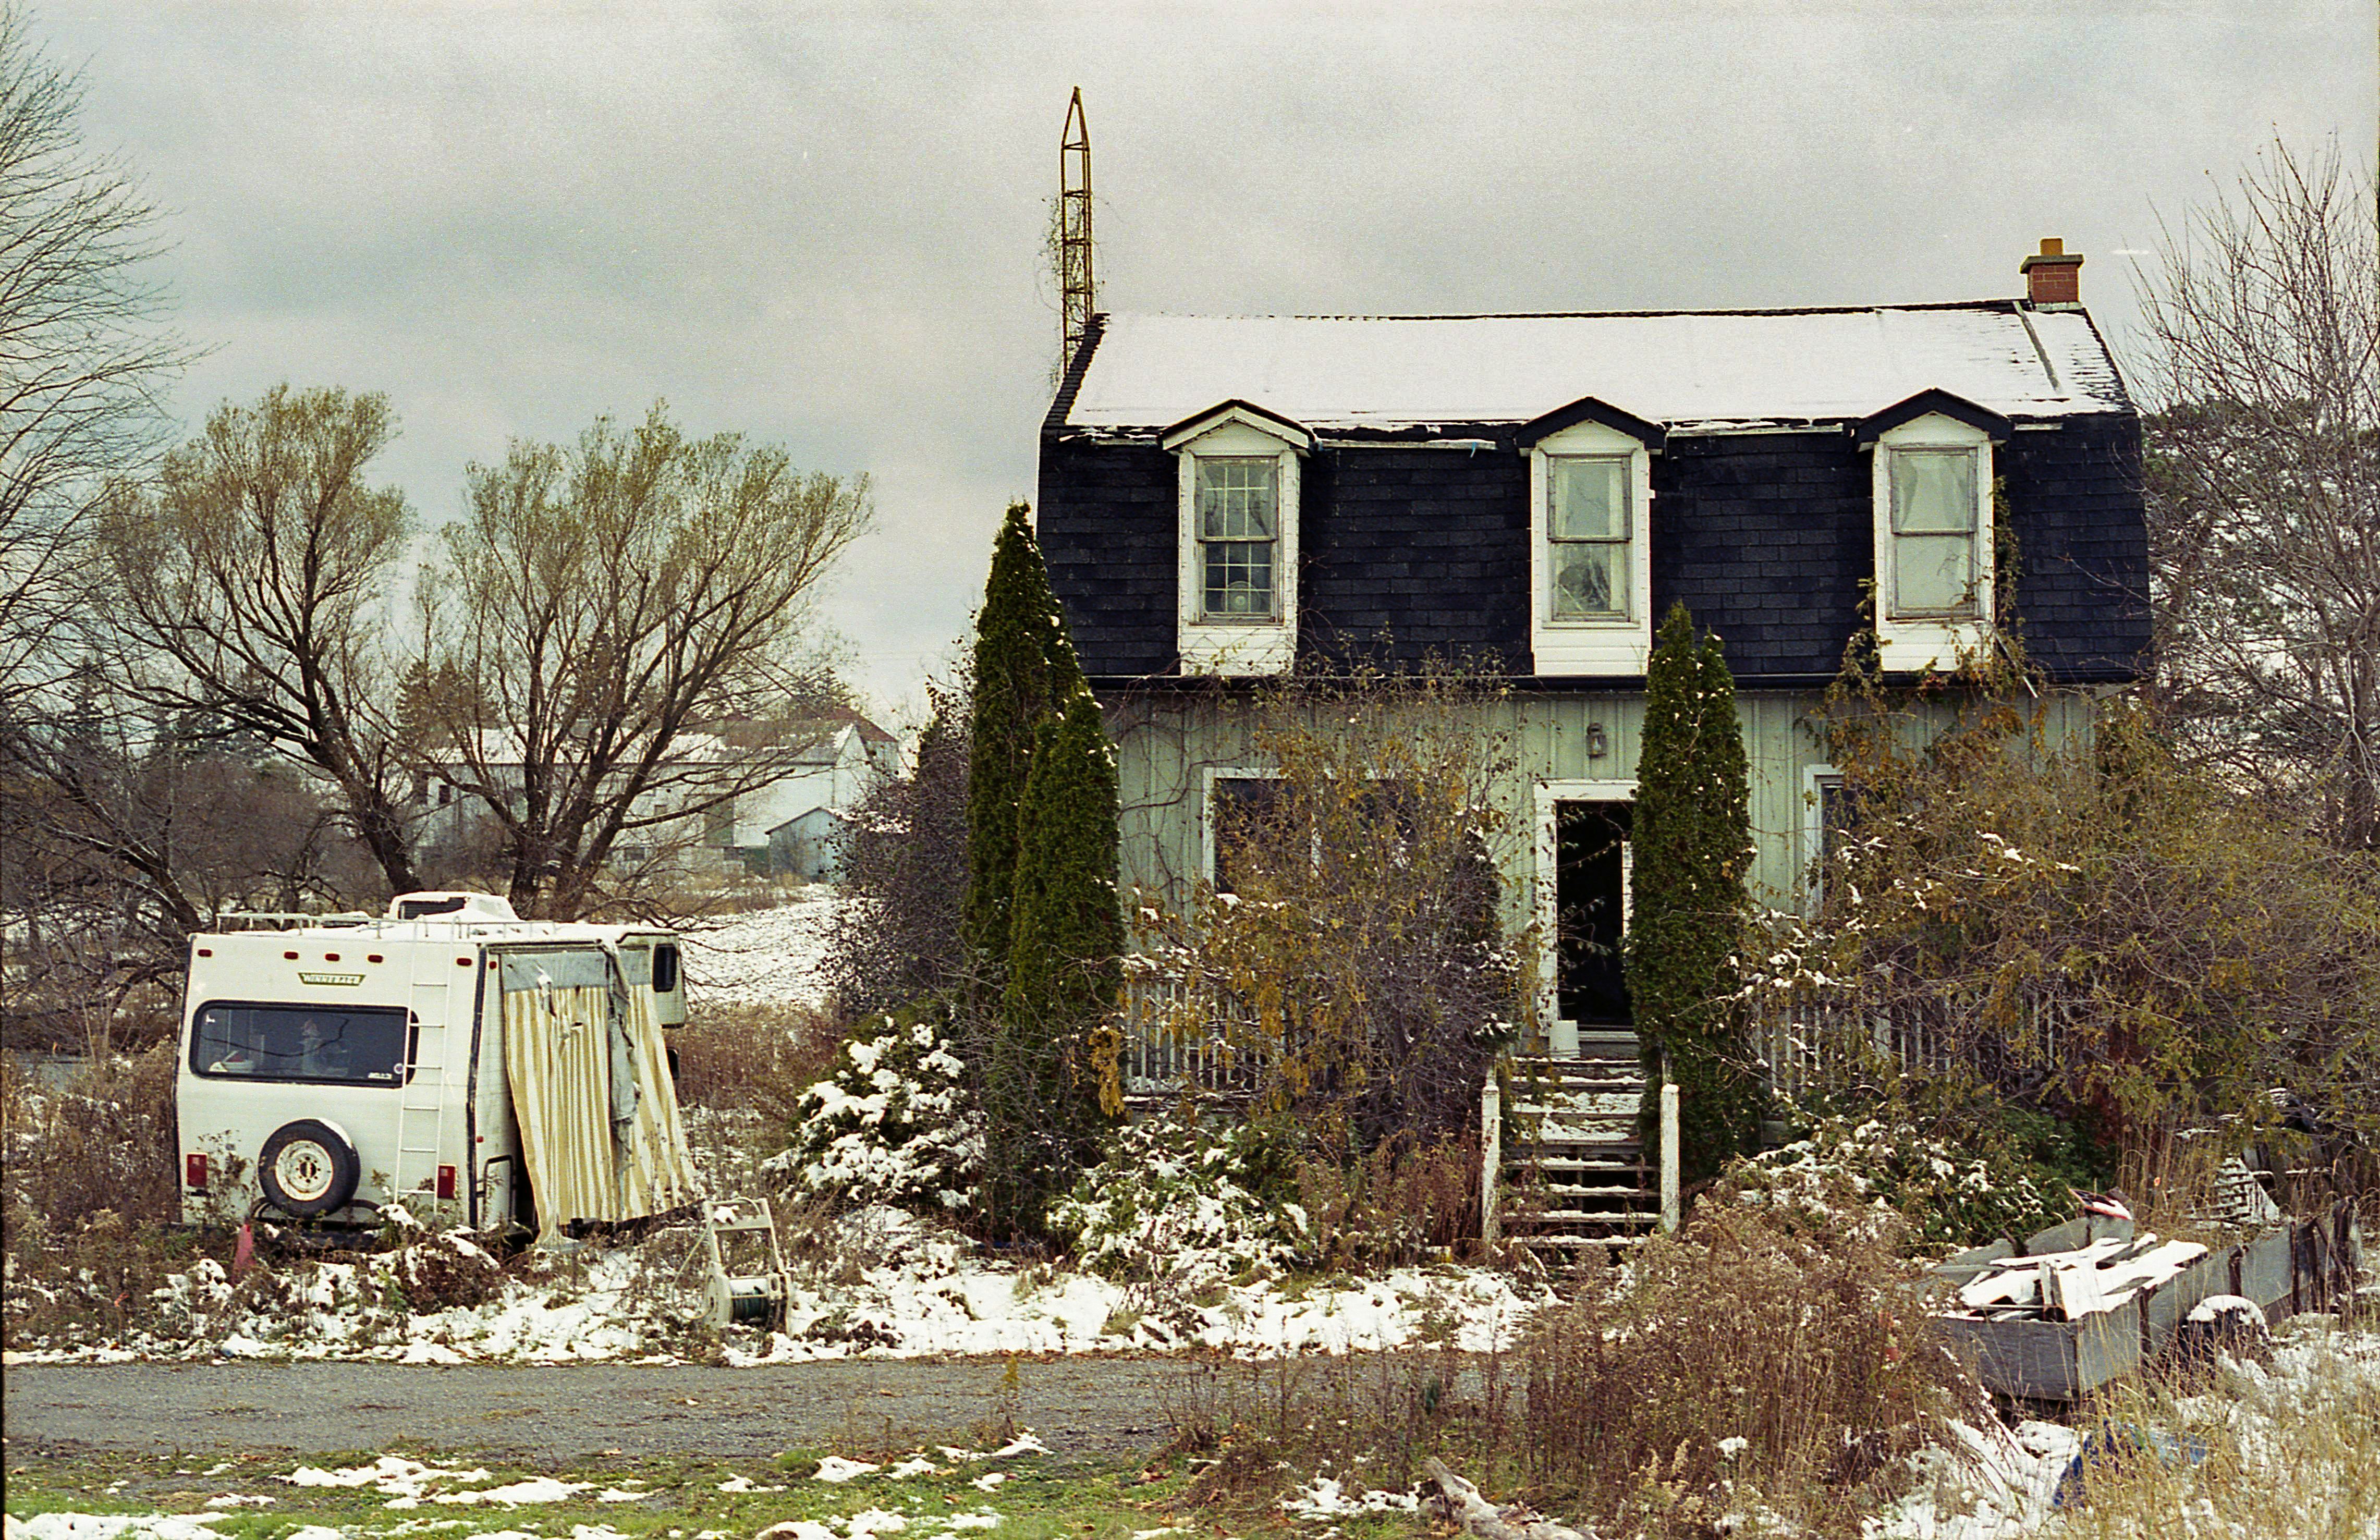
(821, 223)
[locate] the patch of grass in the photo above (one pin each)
(1044, 1497)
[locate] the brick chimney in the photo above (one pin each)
(2053, 280)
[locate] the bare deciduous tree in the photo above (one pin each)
(81, 353)
(252, 587)
(2263, 478)
(124, 838)
(896, 935)
(616, 603)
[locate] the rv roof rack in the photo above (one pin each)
(287, 920)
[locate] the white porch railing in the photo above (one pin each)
(1188, 1040)
(1813, 1038)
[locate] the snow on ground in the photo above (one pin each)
(766, 957)
(2003, 1483)
(931, 1293)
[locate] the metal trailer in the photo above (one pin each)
(436, 1057)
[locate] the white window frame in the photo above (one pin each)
(1619, 645)
(1561, 1037)
(1911, 643)
(1815, 779)
(1236, 645)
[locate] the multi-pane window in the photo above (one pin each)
(1933, 568)
(1587, 531)
(1239, 534)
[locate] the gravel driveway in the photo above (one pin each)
(1077, 1405)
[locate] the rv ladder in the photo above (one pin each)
(424, 1096)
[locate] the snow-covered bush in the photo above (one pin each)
(1173, 1202)
(895, 1124)
(1867, 1176)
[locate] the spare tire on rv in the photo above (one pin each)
(308, 1168)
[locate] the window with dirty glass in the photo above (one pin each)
(359, 1045)
(1587, 531)
(1933, 556)
(1239, 531)
(1241, 810)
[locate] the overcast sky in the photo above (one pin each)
(821, 225)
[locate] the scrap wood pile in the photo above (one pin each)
(2069, 1285)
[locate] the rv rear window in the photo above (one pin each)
(339, 1045)
(665, 968)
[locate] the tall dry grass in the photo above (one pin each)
(1736, 1375)
(2292, 1451)
(90, 1180)
(756, 1059)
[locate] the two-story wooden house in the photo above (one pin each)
(1226, 498)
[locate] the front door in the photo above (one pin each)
(1584, 847)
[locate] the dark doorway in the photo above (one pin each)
(1590, 897)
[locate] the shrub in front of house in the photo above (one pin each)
(894, 1124)
(1179, 1204)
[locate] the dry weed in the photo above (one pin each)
(1402, 1204)
(754, 1058)
(2292, 1453)
(1737, 1369)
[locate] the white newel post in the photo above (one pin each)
(1669, 1215)
(1491, 1158)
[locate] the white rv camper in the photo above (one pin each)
(473, 1066)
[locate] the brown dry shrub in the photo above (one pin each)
(436, 1273)
(1403, 1203)
(754, 1058)
(1806, 1348)
(104, 1141)
(1615, 1404)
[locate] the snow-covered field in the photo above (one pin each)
(766, 957)
(928, 1294)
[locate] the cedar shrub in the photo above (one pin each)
(1054, 1071)
(1025, 670)
(1692, 847)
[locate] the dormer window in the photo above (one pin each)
(1590, 486)
(1237, 579)
(1239, 536)
(1935, 565)
(1933, 488)
(1588, 536)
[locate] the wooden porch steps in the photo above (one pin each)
(1573, 1175)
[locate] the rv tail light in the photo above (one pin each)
(445, 1181)
(194, 1172)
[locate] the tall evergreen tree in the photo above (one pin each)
(1052, 1083)
(1025, 670)
(1693, 841)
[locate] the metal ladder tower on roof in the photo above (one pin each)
(441, 980)
(1077, 293)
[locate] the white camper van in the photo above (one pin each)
(473, 1066)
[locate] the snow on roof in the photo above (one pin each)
(1704, 369)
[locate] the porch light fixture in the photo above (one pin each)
(1596, 746)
